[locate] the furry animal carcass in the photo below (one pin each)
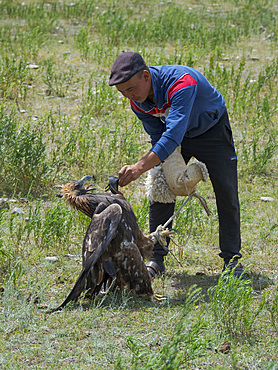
(174, 178)
(114, 247)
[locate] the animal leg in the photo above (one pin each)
(132, 272)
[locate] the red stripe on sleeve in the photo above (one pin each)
(182, 82)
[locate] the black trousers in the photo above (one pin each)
(216, 149)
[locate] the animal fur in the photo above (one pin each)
(173, 178)
(157, 189)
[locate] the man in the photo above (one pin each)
(178, 106)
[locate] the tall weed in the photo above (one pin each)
(14, 77)
(106, 143)
(273, 310)
(5, 253)
(82, 39)
(253, 101)
(185, 344)
(57, 229)
(234, 306)
(57, 82)
(99, 98)
(22, 161)
(18, 312)
(52, 226)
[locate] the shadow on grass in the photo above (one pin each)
(181, 282)
(175, 287)
(260, 281)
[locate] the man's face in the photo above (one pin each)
(137, 88)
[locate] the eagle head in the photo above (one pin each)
(76, 188)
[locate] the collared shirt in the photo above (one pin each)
(185, 104)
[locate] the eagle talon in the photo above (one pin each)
(161, 234)
(159, 297)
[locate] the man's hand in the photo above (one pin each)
(130, 173)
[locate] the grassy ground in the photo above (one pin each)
(59, 120)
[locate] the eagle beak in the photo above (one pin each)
(83, 180)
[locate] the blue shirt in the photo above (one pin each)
(185, 104)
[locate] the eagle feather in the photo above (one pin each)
(114, 247)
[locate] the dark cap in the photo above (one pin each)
(125, 66)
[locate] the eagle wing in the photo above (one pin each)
(132, 272)
(100, 233)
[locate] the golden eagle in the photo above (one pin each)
(114, 247)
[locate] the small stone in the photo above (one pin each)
(267, 37)
(72, 255)
(33, 66)
(267, 199)
(17, 210)
(51, 258)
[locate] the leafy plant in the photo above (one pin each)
(5, 253)
(51, 226)
(14, 77)
(99, 98)
(232, 304)
(185, 344)
(22, 161)
(273, 310)
(16, 274)
(82, 39)
(57, 227)
(58, 83)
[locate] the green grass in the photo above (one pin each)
(59, 120)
